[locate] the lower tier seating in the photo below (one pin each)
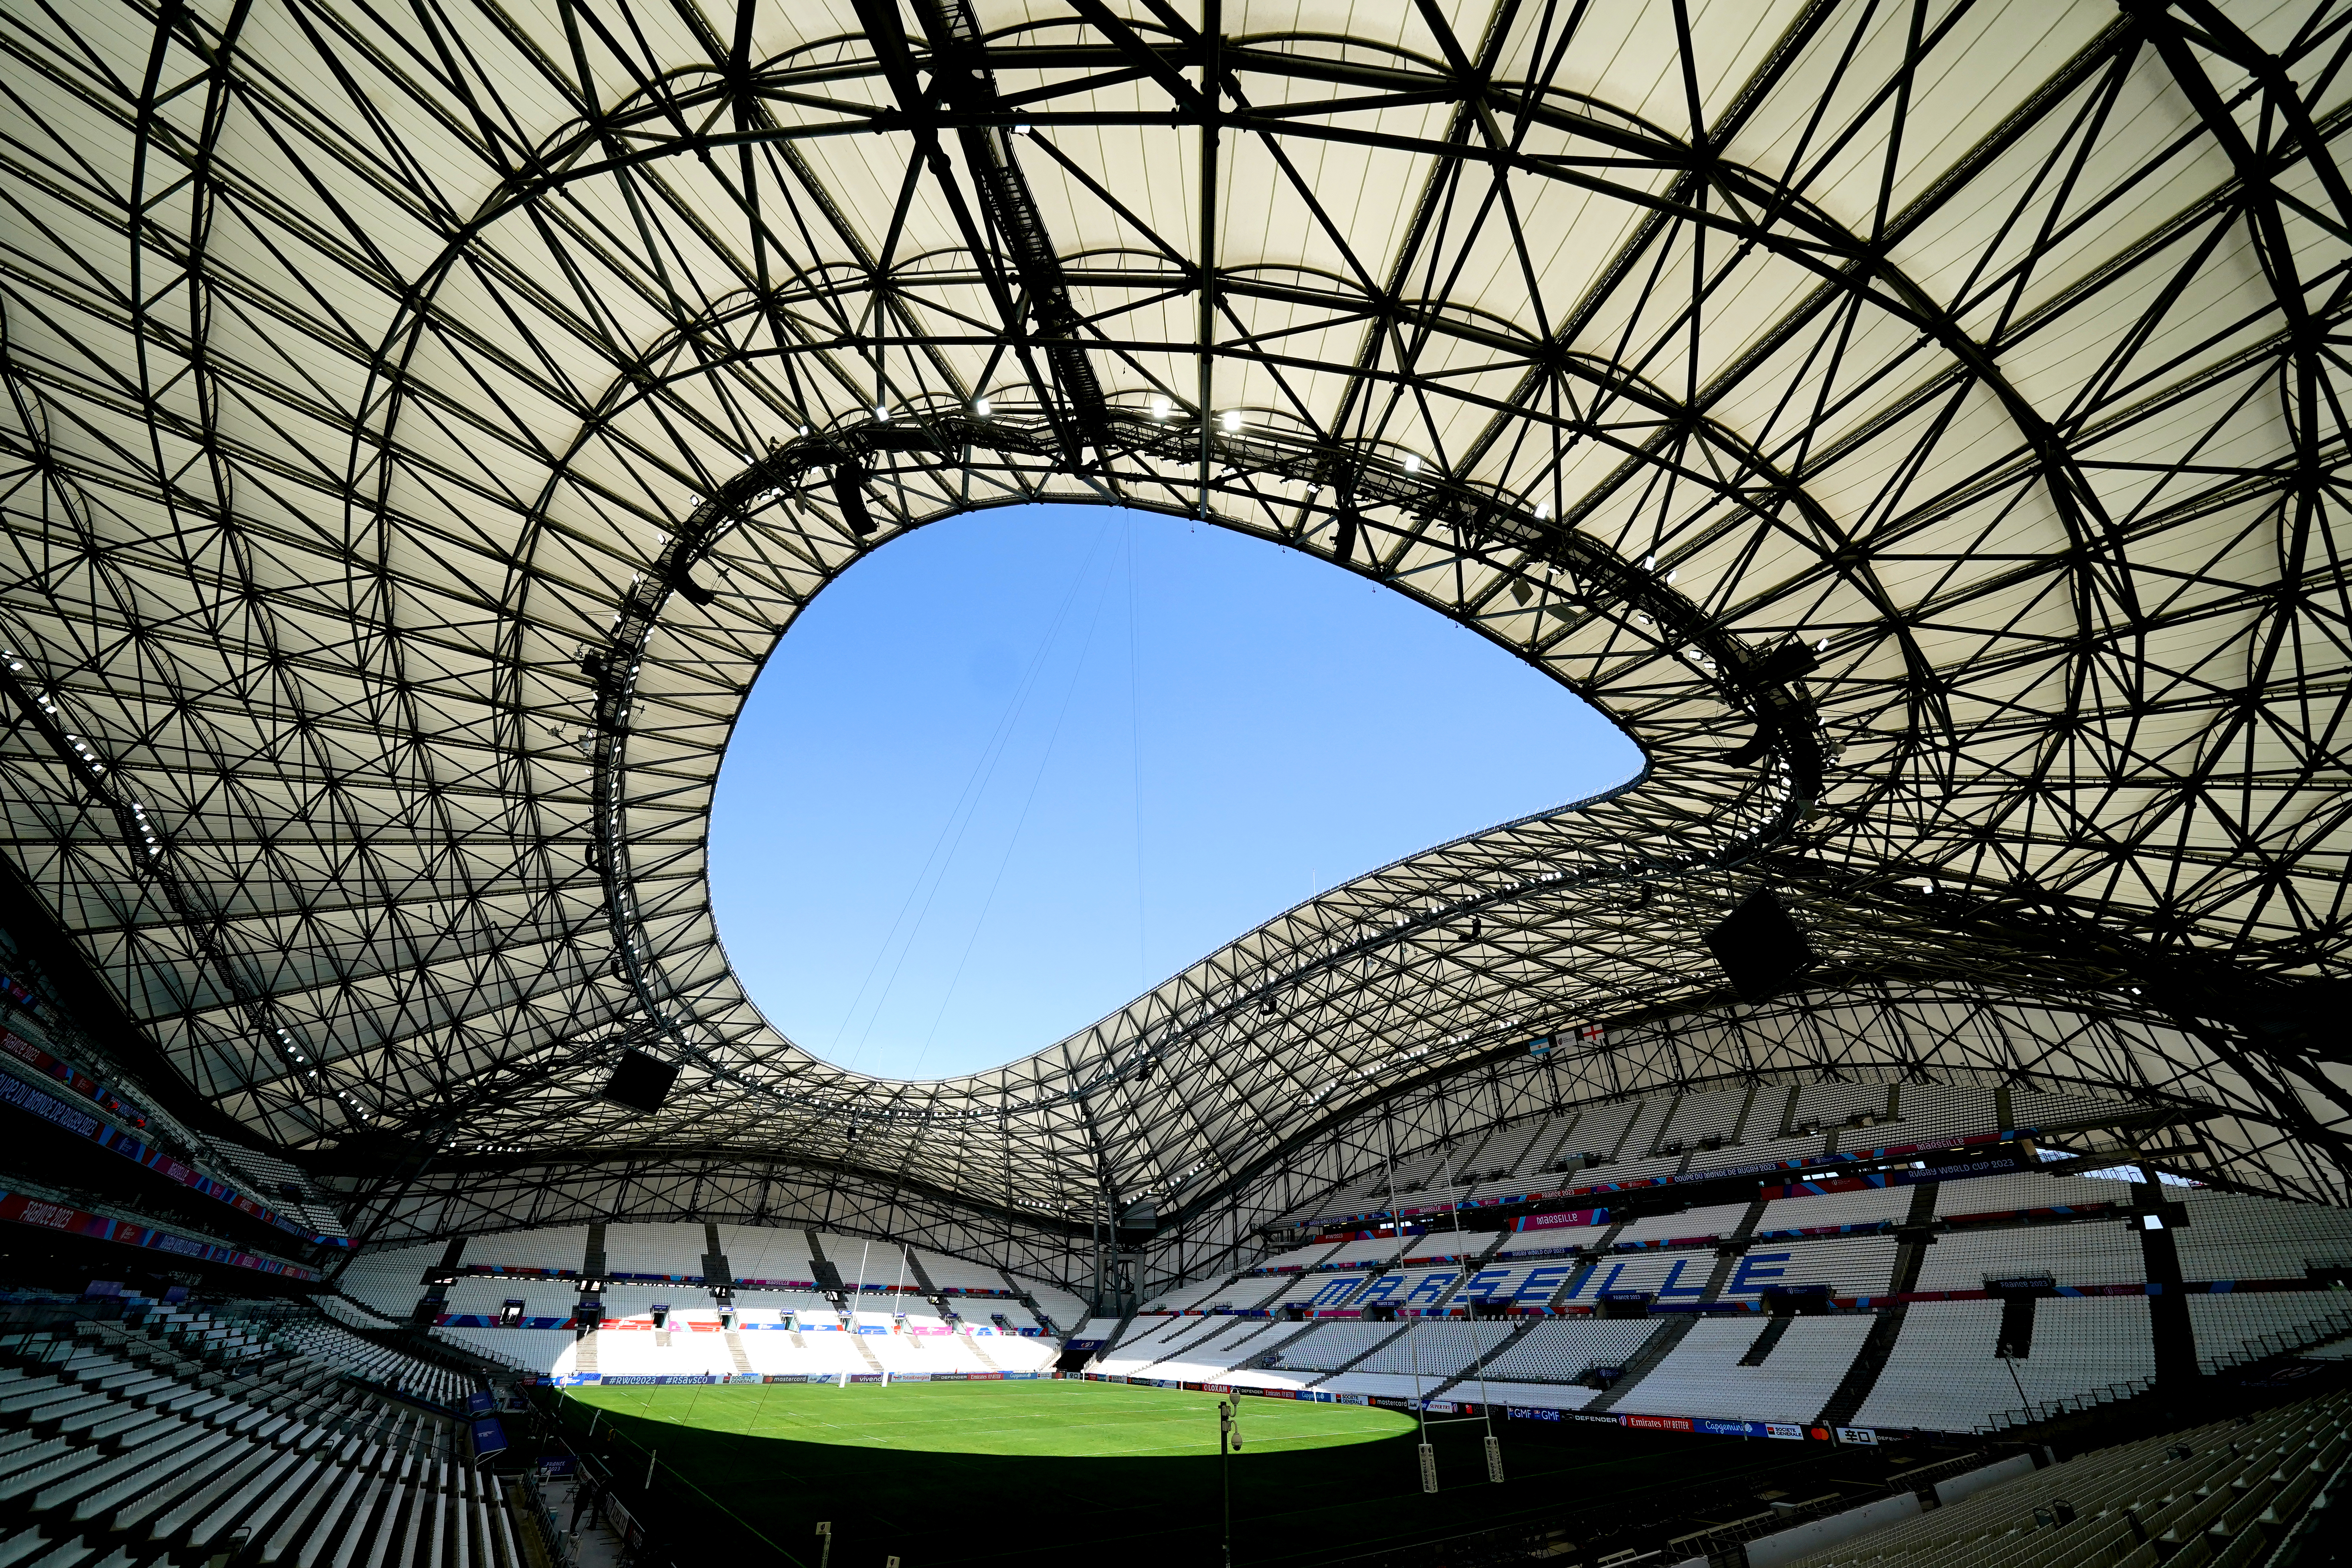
(1435, 1348)
(1562, 1349)
(2223, 1495)
(2234, 1329)
(142, 1434)
(696, 1345)
(1703, 1376)
(1944, 1375)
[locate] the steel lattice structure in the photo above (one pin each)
(1921, 426)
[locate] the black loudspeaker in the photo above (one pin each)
(1760, 947)
(849, 494)
(640, 1082)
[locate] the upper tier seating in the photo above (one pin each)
(1320, 1291)
(766, 1252)
(1641, 1169)
(2025, 1190)
(1669, 1276)
(1058, 1304)
(1378, 1250)
(1710, 1221)
(2232, 1236)
(1419, 1290)
(771, 1307)
(485, 1295)
(1932, 1111)
(548, 1247)
(649, 1249)
(1709, 1115)
(1552, 1238)
(1829, 1104)
(2088, 1252)
(1184, 1297)
(862, 1260)
(2033, 1109)
(1304, 1256)
(1660, 1135)
(1849, 1266)
(1503, 1283)
(1867, 1206)
(960, 1273)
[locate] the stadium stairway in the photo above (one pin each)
(1774, 1331)
(430, 1304)
(1370, 1351)
(1045, 1321)
(1854, 1389)
(1469, 1374)
(716, 1270)
(1728, 1254)
(1220, 1329)
(356, 1305)
(420, 1344)
(1862, 1377)
(922, 1277)
(1118, 1336)
(1655, 1350)
(828, 1276)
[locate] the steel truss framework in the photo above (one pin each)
(1920, 426)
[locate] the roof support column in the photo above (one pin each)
(1212, 22)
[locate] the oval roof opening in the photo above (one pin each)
(1018, 767)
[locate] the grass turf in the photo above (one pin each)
(1064, 1471)
(1061, 1419)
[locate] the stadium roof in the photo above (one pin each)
(1922, 426)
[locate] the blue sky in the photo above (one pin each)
(1017, 767)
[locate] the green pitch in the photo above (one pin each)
(1069, 1420)
(1055, 1474)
